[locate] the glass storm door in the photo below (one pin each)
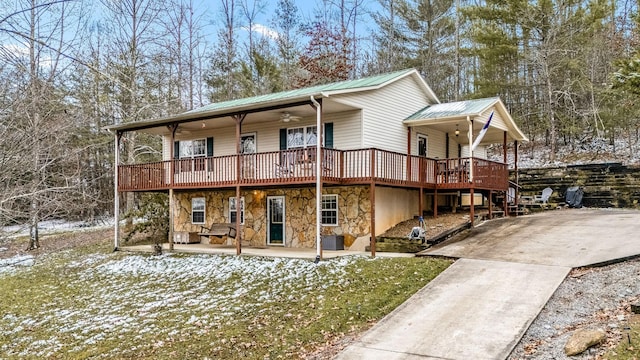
(422, 145)
(275, 220)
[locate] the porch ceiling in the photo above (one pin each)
(449, 117)
(254, 115)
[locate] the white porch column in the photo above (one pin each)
(319, 138)
(470, 149)
(116, 194)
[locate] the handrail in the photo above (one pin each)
(296, 166)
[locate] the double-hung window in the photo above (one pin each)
(302, 137)
(197, 210)
(330, 210)
(233, 210)
(192, 149)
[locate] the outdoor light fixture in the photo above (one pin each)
(457, 130)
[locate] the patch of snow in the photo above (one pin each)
(128, 296)
(54, 226)
(11, 264)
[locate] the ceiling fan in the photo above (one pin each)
(287, 117)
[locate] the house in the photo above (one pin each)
(380, 150)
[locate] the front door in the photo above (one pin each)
(275, 220)
(422, 145)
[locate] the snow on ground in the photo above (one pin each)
(121, 297)
(588, 151)
(14, 263)
(53, 226)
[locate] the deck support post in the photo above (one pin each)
(421, 201)
(471, 206)
(172, 156)
(435, 203)
(490, 216)
(515, 162)
(372, 199)
(505, 202)
(239, 119)
(116, 194)
(409, 177)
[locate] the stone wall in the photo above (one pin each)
(604, 185)
(354, 215)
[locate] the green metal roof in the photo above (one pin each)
(453, 109)
(368, 82)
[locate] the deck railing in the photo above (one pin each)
(298, 166)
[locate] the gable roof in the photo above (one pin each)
(255, 103)
(447, 115)
(454, 109)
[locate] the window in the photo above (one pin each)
(330, 210)
(233, 210)
(197, 211)
(193, 148)
(302, 137)
(248, 143)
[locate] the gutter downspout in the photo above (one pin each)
(318, 107)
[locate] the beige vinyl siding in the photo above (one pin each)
(347, 128)
(346, 134)
(436, 142)
(166, 147)
(480, 152)
(497, 121)
(384, 111)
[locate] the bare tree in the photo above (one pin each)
(42, 169)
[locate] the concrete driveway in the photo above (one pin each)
(570, 237)
(480, 307)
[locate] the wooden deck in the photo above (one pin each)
(292, 167)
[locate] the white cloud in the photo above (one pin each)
(264, 30)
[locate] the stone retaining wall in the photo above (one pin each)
(604, 185)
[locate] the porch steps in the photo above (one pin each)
(405, 245)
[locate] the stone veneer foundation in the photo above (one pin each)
(354, 214)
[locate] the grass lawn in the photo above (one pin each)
(629, 346)
(92, 303)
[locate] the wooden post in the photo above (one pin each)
(490, 204)
(372, 198)
(173, 128)
(515, 166)
(505, 203)
(471, 207)
(409, 170)
(239, 119)
(435, 204)
(421, 201)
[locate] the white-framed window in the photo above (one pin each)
(302, 137)
(330, 210)
(193, 148)
(197, 210)
(233, 212)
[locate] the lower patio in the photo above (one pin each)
(275, 252)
